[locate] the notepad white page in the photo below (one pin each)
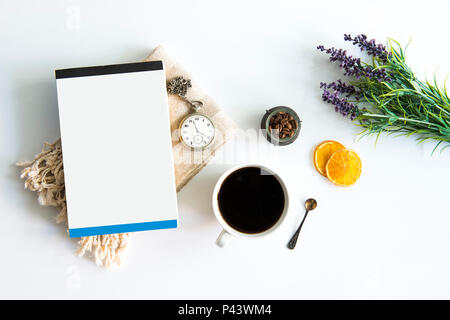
(117, 153)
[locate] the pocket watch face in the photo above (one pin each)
(197, 131)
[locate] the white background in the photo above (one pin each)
(386, 237)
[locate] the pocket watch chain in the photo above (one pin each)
(179, 86)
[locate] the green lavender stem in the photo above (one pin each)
(371, 115)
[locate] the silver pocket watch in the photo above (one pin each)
(196, 130)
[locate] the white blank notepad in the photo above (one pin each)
(117, 150)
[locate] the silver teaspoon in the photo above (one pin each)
(310, 205)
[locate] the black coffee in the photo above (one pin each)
(251, 200)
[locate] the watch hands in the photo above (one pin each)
(198, 131)
(196, 127)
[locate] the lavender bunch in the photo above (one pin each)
(395, 100)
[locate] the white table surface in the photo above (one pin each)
(386, 237)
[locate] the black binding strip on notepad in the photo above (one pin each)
(109, 69)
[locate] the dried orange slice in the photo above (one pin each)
(323, 152)
(344, 168)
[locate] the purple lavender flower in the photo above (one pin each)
(353, 66)
(377, 50)
(342, 88)
(341, 105)
(376, 74)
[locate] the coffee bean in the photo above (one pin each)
(294, 124)
(283, 124)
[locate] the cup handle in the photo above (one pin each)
(223, 238)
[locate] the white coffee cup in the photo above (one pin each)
(228, 231)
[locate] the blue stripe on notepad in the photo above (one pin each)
(122, 228)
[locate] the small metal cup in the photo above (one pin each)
(274, 139)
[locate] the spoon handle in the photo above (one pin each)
(293, 241)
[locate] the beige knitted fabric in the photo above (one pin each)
(45, 174)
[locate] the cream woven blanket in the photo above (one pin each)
(45, 174)
(188, 163)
